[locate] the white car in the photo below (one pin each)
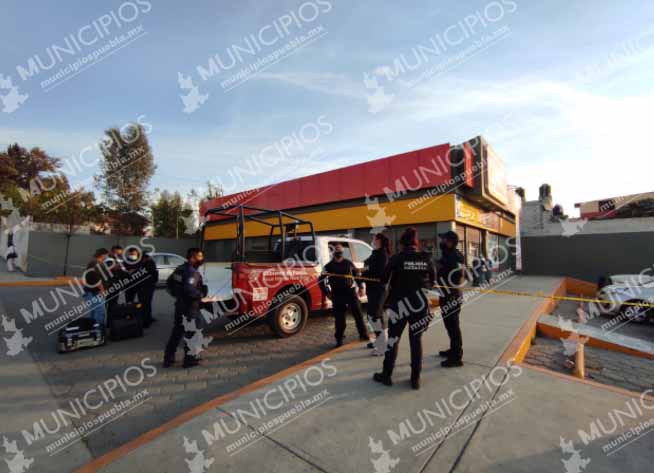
(631, 288)
(166, 264)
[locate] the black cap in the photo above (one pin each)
(450, 235)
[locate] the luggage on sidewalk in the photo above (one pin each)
(81, 333)
(126, 321)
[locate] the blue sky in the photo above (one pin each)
(562, 90)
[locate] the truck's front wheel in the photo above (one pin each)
(289, 317)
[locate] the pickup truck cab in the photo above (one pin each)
(280, 283)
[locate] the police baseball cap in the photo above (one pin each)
(450, 235)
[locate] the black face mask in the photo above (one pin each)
(443, 246)
(338, 254)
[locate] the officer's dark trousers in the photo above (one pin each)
(146, 293)
(130, 294)
(450, 312)
(112, 302)
(342, 301)
(178, 332)
(113, 297)
(375, 293)
(418, 323)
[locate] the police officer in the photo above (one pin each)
(374, 268)
(409, 273)
(189, 291)
(450, 268)
(132, 265)
(147, 286)
(118, 276)
(338, 284)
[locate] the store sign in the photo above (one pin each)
(496, 185)
(467, 213)
(469, 166)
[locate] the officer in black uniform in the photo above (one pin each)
(118, 277)
(189, 291)
(147, 286)
(409, 273)
(374, 268)
(450, 268)
(340, 288)
(132, 265)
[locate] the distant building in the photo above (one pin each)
(609, 242)
(626, 206)
(539, 218)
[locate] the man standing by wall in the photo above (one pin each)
(11, 255)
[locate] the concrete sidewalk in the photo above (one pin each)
(331, 417)
(17, 276)
(6, 276)
(26, 398)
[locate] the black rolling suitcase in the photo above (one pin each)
(126, 321)
(81, 333)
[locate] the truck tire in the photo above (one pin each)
(289, 317)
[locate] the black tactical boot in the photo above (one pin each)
(383, 378)
(415, 382)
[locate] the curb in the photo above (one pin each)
(519, 345)
(557, 333)
(147, 437)
(57, 281)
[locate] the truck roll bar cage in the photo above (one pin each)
(285, 222)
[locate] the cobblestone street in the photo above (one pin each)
(604, 366)
(230, 362)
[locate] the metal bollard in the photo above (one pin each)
(580, 363)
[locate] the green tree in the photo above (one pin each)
(124, 176)
(169, 214)
(24, 168)
(33, 181)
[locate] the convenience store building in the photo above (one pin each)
(445, 187)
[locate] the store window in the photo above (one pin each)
(461, 231)
(493, 250)
(506, 254)
(473, 244)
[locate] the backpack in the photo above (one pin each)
(175, 282)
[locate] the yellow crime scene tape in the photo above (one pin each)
(541, 295)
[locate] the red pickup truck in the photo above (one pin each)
(274, 276)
